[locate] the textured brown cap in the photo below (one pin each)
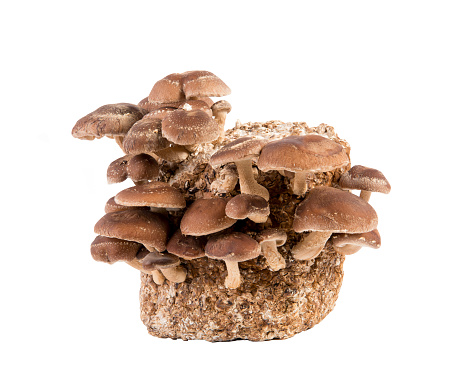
(365, 178)
(221, 105)
(110, 250)
(153, 194)
(117, 170)
(234, 247)
(143, 167)
(246, 205)
(279, 236)
(370, 239)
(335, 210)
(112, 206)
(189, 127)
(240, 149)
(186, 247)
(200, 83)
(145, 137)
(190, 105)
(168, 89)
(108, 120)
(142, 226)
(305, 153)
(206, 216)
(158, 261)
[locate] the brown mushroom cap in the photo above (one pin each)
(240, 149)
(108, 120)
(190, 105)
(142, 167)
(201, 83)
(221, 106)
(189, 127)
(142, 226)
(153, 194)
(186, 247)
(234, 247)
(112, 206)
(110, 250)
(365, 178)
(168, 89)
(145, 137)
(246, 206)
(370, 239)
(159, 261)
(305, 153)
(117, 170)
(279, 236)
(206, 216)
(334, 210)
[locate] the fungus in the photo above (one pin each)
(117, 170)
(220, 109)
(232, 248)
(167, 89)
(200, 83)
(270, 240)
(167, 264)
(185, 246)
(249, 206)
(142, 168)
(347, 244)
(366, 180)
(302, 155)
(329, 210)
(241, 151)
(112, 206)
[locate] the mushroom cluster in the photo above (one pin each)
(210, 207)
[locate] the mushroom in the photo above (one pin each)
(200, 83)
(241, 151)
(249, 206)
(159, 196)
(190, 105)
(232, 248)
(366, 180)
(206, 216)
(186, 247)
(112, 206)
(111, 250)
(329, 210)
(138, 225)
(351, 243)
(270, 240)
(168, 264)
(220, 109)
(168, 89)
(113, 121)
(142, 168)
(302, 155)
(117, 170)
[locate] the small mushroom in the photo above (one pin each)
(185, 246)
(249, 206)
(117, 170)
(366, 180)
(347, 244)
(142, 168)
(270, 240)
(168, 264)
(232, 248)
(220, 109)
(241, 151)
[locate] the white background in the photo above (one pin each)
(392, 77)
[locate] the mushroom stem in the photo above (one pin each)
(137, 265)
(220, 117)
(248, 184)
(299, 183)
(311, 245)
(158, 277)
(273, 258)
(175, 274)
(233, 279)
(365, 195)
(347, 249)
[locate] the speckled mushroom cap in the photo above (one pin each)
(158, 261)
(221, 105)
(108, 120)
(206, 216)
(189, 127)
(370, 239)
(186, 247)
(190, 105)
(365, 178)
(117, 170)
(143, 167)
(243, 205)
(201, 83)
(110, 250)
(112, 206)
(240, 149)
(142, 226)
(335, 210)
(234, 247)
(145, 137)
(168, 89)
(305, 153)
(153, 194)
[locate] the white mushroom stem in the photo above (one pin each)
(273, 258)
(347, 249)
(233, 279)
(158, 277)
(248, 184)
(137, 265)
(311, 245)
(365, 195)
(175, 274)
(299, 183)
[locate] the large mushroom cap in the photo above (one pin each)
(168, 89)
(305, 153)
(234, 247)
(110, 250)
(108, 120)
(334, 210)
(186, 247)
(142, 226)
(189, 127)
(365, 178)
(153, 194)
(240, 149)
(200, 83)
(206, 216)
